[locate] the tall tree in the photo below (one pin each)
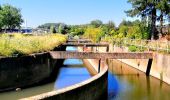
(144, 8)
(11, 17)
(1, 17)
(96, 23)
(111, 25)
(52, 29)
(164, 7)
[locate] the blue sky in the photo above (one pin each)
(37, 12)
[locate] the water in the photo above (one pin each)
(72, 72)
(71, 75)
(126, 83)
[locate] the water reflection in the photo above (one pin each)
(132, 84)
(71, 75)
(73, 71)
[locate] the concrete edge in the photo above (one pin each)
(70, 88)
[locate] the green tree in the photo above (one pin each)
(11, 17)
(145, 8)
(52, 29)
(93, 33)
(1, 18)
(164, 8)
(96, 23)
(125, 23)
(63, 29)
(110, 25)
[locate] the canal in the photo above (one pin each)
(73, 71)
(124, 82)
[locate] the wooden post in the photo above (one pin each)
(99, 65)
(149, 67)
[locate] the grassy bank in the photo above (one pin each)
(18, 44)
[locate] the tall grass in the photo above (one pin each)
(17, 44)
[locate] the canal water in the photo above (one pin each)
(124, 82)
(73, 71)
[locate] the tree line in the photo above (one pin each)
(10, 17)
(151, 11)
(97, 30)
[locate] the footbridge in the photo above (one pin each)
(103, 56)
(99, 55)
(84, 45)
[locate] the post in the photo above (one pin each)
(107, 49)
(99, 65)
(149, 67)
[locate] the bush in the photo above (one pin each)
(132, 48)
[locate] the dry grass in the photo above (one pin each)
(19, 44)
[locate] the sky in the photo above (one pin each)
(71, 12)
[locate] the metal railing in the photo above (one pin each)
(149, 45)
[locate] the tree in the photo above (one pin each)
(94, 33)
(52, 29)
(144, 8)
(164, 8)
(63, 29)
(96, 23)
(125, 23)
(1, 18)
(111, 25)
(11, 17)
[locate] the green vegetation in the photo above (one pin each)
(10, 17)
(18, 44)
(52, 29)
(98, 31)
(150, 9)
(55, 27)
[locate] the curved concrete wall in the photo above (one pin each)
(94, 88)
(18, 72)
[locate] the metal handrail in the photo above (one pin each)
(151, 45)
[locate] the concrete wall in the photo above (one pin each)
(94, 88)
(160, 66)
(19, 72)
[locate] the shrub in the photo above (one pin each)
(132, 48)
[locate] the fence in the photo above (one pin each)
(150, 45)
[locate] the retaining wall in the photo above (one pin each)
(95, 88)
(24, 71)
(160, 66)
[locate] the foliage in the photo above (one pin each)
(125, 23)
(149, 8)
(17, 44)
(132, 48)
(75, 30)
(95, 34)
(52, 29)
(96, 23)
(48, 25)
(63, 29)
(10, 17)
